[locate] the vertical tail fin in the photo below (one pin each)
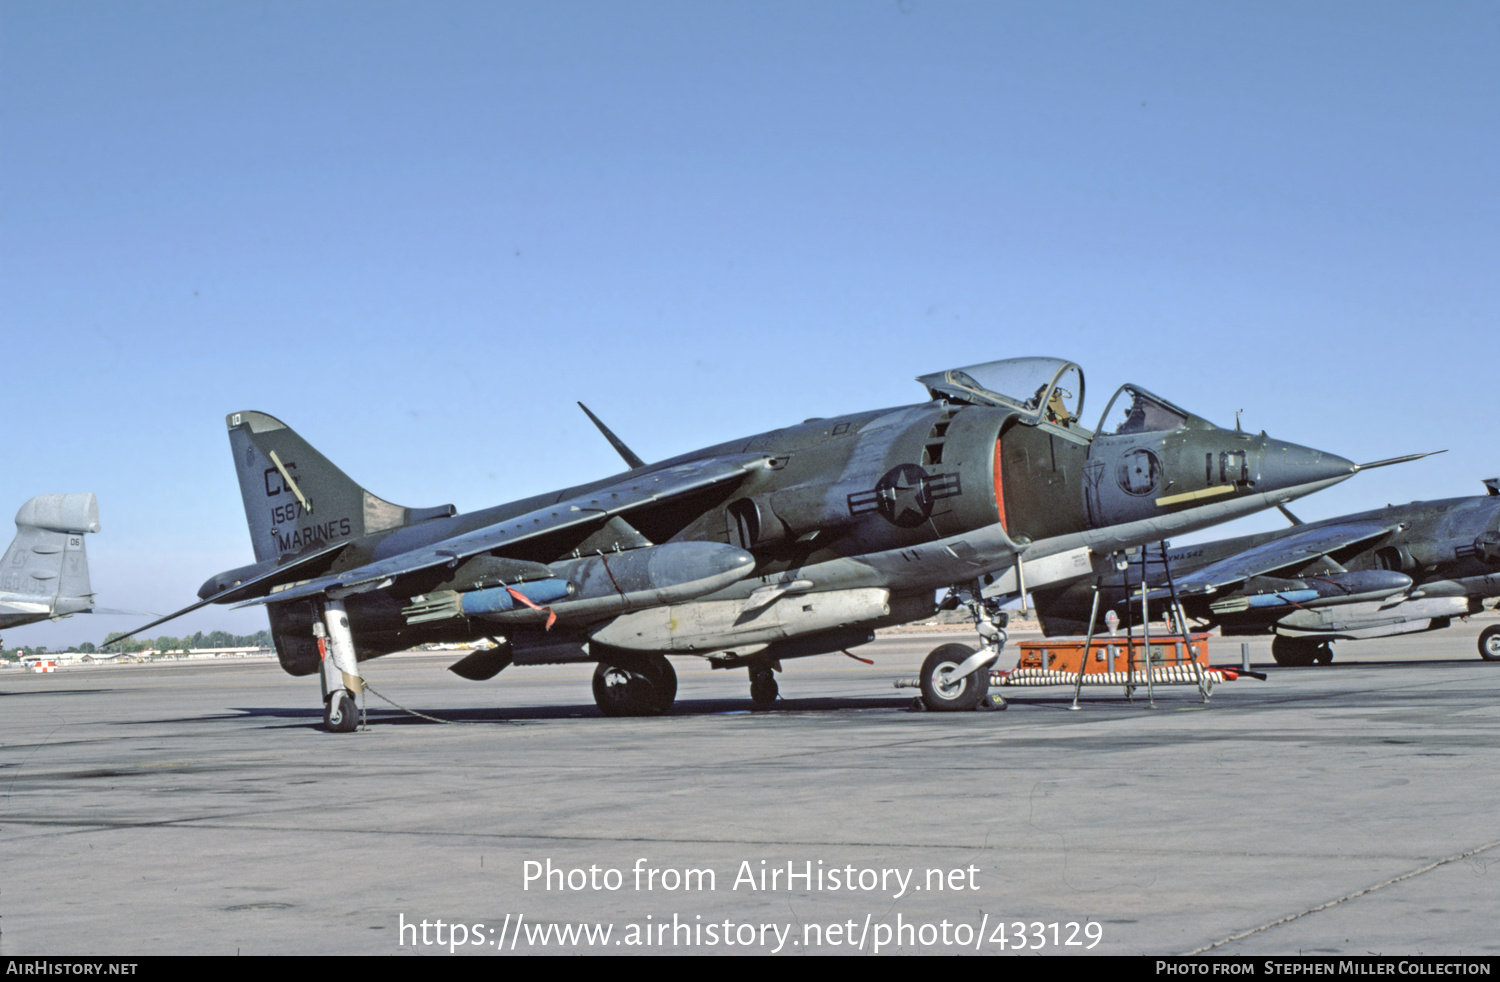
(295, 497)
(45, 572)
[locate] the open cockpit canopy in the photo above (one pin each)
(1041, 389)
(1134, 410)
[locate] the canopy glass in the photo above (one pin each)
(1042, 389)
(1134, 410)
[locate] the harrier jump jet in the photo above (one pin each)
(1401, 569)
(800, 541)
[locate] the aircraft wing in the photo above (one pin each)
(1298, 546)
(595, 507)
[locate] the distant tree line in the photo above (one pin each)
(213, 639)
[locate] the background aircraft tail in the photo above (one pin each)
(296, 498)
(46, 567)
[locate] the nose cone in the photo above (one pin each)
(1288, 470)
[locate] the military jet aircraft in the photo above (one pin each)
(1395, 570)
(45, 572)
(795, 542)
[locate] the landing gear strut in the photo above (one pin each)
(340, 675)
(1301, 652)
(763, 687)
(955, 676)
(645, 686)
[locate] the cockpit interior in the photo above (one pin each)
(1050, 390)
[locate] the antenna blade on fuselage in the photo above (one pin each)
(614, 441)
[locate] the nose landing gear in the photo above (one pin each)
(943, 689)
(956, 677)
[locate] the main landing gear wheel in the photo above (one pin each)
(340, 714)
(763, 687)
(640, 688)
(1489, 643)
(1300, 652)
(663, 679)
(942, 695)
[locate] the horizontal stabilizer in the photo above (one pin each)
(60, 513)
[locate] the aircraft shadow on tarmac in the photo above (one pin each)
(1035, 698)
(386, 716)
(54, 692)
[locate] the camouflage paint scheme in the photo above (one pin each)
(795, 542)
(1401, 569)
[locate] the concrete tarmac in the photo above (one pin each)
(200, 809)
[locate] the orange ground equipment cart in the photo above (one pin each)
(1116, 660)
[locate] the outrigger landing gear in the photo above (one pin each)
(956, 677)
(763, 687)
(340, 675)
(645, 686)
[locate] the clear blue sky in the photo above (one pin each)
(417, 232)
